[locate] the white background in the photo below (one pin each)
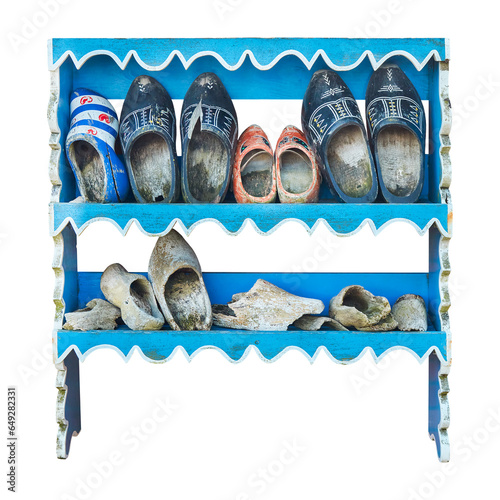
(360, 430)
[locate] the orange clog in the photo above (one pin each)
(254, 171)
(297, 175)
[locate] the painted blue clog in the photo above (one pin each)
(396, 128)
(100, 175)
(147, 135)
(335, 130)
(209, 131)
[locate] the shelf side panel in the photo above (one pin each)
(58, 116)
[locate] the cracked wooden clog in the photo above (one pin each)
(133, 294)
(98, 315)
(356, 307)
(264, 307)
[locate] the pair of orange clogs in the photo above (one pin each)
(291, 173)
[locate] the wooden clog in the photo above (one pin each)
(298, 177)
(264, 307)
(97, 315)
(209, 131)
(335, 131)
(175, 273)
(133, 294)
(100, 174)
(254, 170)
(396, 128)
(147, 135)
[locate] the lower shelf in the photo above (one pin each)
(343, 347)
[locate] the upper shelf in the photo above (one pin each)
(341, 54)
(157, 219)
(250, 68)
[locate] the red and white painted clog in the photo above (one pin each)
(298, 177)
(254, 171)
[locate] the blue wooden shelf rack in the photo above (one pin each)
(252, 68)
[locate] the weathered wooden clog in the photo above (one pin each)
(133, 294)
(264, 307)
(356, 307)
(90, 148)
(396, 128)
(147, 135)
(410, 312)
(298, 177)
(335, 131)
(209, 131)
(314, 323)
(254, 170)
(388, 324)
(98, 315)
(175, 273)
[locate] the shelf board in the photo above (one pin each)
(157, 218)
(157, 53)
(158, 346)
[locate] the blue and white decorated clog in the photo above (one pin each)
(335, 130)
(100, 175)
(396, 128)
(209, 131)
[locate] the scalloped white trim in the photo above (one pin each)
(311, 359)
(187, 62)
(247, 221)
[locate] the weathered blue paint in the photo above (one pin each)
(155, 219)
(69, 267)
(439, 417)
(273, 83)
(343, 346)
(341, 51)
(69, 190)
(322, 286)
(72, 412)
(221, 286)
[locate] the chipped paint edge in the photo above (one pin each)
(55, 135)
(248, 221)
(444, 411)
(57, 267)
(444, 261)
(444, 132)
(311, 359)
(62, 423)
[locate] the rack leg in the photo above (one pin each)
(439, 409)
(68, 402)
